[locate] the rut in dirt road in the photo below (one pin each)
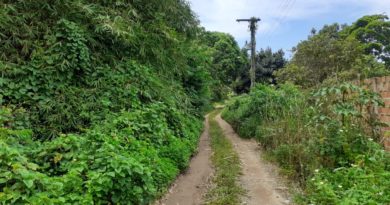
(190, 187)
(258, 178)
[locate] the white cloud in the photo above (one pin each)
(220, 15)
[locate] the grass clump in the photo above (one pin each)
(226, 190)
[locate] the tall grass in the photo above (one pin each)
(323, 140)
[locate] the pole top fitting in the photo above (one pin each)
(253, 19)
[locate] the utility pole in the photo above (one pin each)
(252, 27)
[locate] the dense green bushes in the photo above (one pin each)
(100, 101)
(130, 158)
(70, 63)
(321, 139)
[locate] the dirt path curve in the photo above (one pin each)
(189, 187)
(258, 177)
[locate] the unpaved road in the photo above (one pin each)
(258, 178)
(190, 187)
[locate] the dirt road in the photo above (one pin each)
(258, 178)
(190, 186)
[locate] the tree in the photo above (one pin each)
(242, 83)
(267, 63)
(332, 55)
(227, 61)
(373, 32)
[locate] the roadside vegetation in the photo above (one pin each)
(315, 125)
(321, 139)
(101, 102)
(225, 188)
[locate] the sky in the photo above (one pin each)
(284, 23)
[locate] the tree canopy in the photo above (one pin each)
(268, 62)
(340, 52)
(374, 33)
(227, 61)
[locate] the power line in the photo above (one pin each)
(284, 14)
(280, 9)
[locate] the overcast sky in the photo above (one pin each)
(284, 22)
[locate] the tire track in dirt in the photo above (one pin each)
(259, 178)
(190, 186)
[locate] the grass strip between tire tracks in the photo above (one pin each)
(226, 189)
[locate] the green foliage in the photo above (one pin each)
(228, 62)
(323, 139)
(100, 101)
(374, 33)
(321, 57)
(340, 53)
(225, 56)
(67, 65)
(262, 104)
(130, 158)
(268, 63)
(362, 183)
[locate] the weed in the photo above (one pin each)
(321, 139)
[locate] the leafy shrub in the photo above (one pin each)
(123, 160)
(100, 101)
(326, 140)
(72, 67)
(364, 182)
